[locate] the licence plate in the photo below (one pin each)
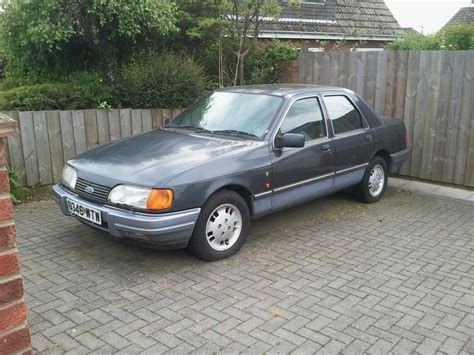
(84, 212)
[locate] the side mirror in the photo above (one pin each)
(289, 140)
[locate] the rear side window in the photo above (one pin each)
(343, 114)
(305, 117)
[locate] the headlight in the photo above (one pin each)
(142, 198)
(69, 176)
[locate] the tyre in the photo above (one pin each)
(221, 228)
(373, 185)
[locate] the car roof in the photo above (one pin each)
(281, 89)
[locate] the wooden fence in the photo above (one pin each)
(47, 139)
(431, 91)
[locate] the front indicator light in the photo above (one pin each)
(160, 199)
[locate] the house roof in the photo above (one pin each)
(409, 30)
(348, 19)
(464, 15)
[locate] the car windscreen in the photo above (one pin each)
(230, 113)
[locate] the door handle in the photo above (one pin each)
(326, 147)
(369, 137)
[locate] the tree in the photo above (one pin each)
(201, 27)
(246, 17)
(234, 24)
(54, 37)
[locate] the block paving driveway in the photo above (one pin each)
(331, 276)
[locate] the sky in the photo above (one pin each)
(425, 15)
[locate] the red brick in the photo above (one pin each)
(3, 151)
(15, 340)
(4, 181)
(28, 352)
(6, 210)
(8, 122)
(12, 315)
(7, 237)
(11, 290)
(9, 264)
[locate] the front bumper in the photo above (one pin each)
(166, 231)
(397, 159)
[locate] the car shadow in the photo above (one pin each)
(102, 249)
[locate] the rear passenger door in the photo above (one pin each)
(354, 141)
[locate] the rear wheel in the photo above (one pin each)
(221, 228)
(373, 185)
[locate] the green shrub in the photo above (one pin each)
(78, 91)
(41, 97)
(265, 65)
(454, 37)
(168, 81)
(457, 37)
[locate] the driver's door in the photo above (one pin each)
(301, 174)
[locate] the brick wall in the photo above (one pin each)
(14, 329)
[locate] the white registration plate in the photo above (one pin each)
(82, 211)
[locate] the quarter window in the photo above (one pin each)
(343, 114)
(305, 117)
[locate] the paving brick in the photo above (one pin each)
(428, 346)
(330, 276)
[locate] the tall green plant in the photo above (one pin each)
(15, 186)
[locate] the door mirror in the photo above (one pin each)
(289, 140)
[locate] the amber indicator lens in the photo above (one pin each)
(160, 199)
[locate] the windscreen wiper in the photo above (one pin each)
(195, 128)
(234, 132)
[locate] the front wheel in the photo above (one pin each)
(373, 185)
(221, 228)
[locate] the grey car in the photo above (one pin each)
(236, 155)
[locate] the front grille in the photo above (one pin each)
(100, 194)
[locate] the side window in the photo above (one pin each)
(343, 114)
(305, 117)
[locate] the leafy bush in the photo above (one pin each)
(167, 81)
(41, 37)
(79, 91)
(455, 37)
(265, 66)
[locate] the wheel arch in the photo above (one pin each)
(241, 190)
(385, 155)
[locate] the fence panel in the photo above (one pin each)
(431, 91)
(28, 141)
(42, 148)
(15, 152)
(55, 144)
